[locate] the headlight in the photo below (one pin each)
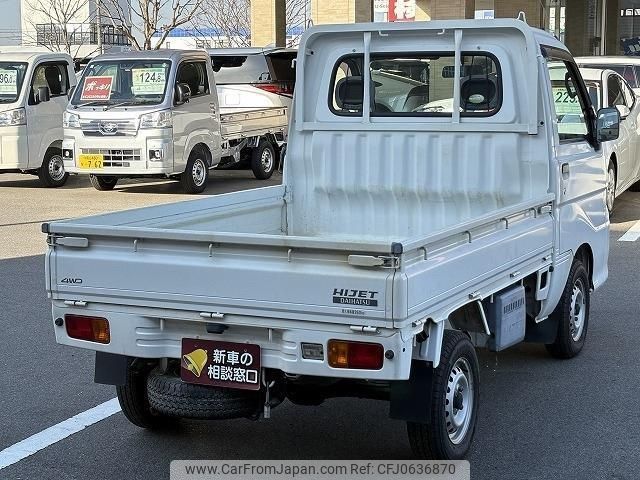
(161, 119)
(13, 117)
(70, 120)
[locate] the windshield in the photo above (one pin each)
(11, 80)
(123, 82)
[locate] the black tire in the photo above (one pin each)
(434, 441)
(51, 173)
(134, 402)
(196, 175)
(612, 184)
(572, 323)
(171, 396)
(263, 160)
(103, 182)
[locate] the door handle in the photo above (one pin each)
(565, 170)
(212, 106)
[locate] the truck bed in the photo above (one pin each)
(240, 123)
(233, 253)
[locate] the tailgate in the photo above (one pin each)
(263, 281)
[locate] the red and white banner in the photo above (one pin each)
(402, 10)
(97, 88)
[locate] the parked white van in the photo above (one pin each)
(156, 114)
(33, 96)
(400, 240)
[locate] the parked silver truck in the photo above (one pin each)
(33, 95)
(401, 239)
(156, 114)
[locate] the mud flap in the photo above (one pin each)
(111, 369)
(411, 399)
(542, 332)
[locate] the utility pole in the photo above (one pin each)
(99, 26)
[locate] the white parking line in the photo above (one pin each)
(62, 430)
(632, 234)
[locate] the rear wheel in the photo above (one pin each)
(454, 403)
(572, 314)
(134, 402)
(263, 159)
(195, 177)
(103, 182)
(52, 173)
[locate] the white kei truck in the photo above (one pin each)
(156, 114)
(400, 240)
(33, 95)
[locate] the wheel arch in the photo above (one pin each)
(203, 147)
(585, 254)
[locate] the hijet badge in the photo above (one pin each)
(350, 296)
(220, 364)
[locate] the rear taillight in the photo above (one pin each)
(92, 329)
(279, 88)
(356, 355)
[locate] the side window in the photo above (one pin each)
(568, 102)
(194, 74)
(52, 75)
(614, 91)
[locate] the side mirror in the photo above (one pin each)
(182, 93)
(624, 111)
(43, 95)
(71, 92)
(608, 124)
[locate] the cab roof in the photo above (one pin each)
(22, 56)
(160, 54)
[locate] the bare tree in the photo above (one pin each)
(141, 20)
(59, 25)
(232, 19)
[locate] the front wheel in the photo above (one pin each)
(610, 192)
(52, 173)
(572, 314)
(263, 159)
(103, 182)
(454, 403)
(195, 177)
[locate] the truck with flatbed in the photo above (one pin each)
(156, 114)
(401, 240)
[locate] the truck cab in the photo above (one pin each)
(33, 96)
(154, 114)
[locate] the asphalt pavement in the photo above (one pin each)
(539, 418)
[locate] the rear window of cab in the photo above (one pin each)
(417, 85)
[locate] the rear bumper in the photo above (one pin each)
(141, 336)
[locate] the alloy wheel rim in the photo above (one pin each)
(458, 403)
(56, 168)
(198, 172)
(267, 160)
(611, 188)
(578, 311)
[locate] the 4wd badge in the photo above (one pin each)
(349, 296)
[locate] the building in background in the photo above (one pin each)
(74, 29)
(588, 27)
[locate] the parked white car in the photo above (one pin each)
(606, 89)
(254, 77)
(627, 66)
(397, 243)
(156, 114)
(33, 95)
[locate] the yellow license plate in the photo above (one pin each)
(91, 161)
